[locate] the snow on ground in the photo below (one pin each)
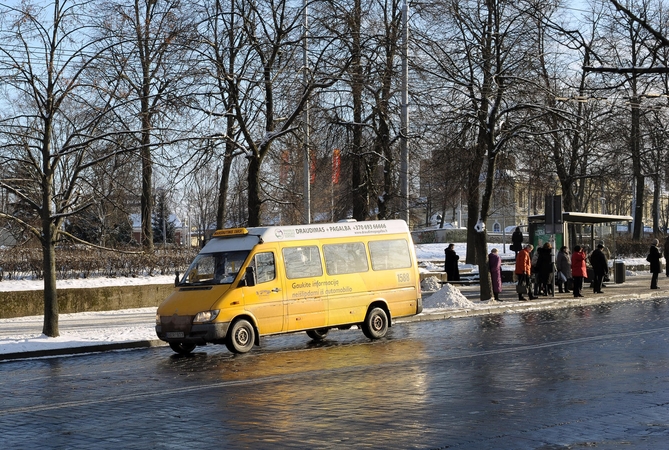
(434, 299)
(447, 297)
(96, 334)
(34, 285)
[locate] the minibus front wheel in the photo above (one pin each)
(375, 325)
(182, 348)
(241, 336)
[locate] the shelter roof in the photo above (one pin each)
(583, 218)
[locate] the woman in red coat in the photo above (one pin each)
(578, 270)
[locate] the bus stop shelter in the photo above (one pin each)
(578, 228)
(582, 229)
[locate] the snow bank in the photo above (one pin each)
(430, 284)
(447, 297)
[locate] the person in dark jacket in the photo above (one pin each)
(517, 239)
(563, 263)
(653, 258)
(451, 264)
(545, 268)
(600, 267)
(495, 265)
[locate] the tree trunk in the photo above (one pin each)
(358, 169)
(481, 243)
(225, 178)
(229, 130)
(50, 326)
(639, 178)
(147, 199)
(254, 192)
(656, 205)
(473, 204)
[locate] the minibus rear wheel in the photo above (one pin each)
(318, 334)
(375, 325)
(241, 337)
(182, 348)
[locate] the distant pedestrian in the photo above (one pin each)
(607, 253)
(605, 250)
(524, 269)
(600, 267)
(451, 264)
(495, 265)
(653, 258)
(666, 253)
(544, 268)
(578, 270)
(517, 239)
(563, 263)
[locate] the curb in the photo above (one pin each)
(98, 348)
(513, 307)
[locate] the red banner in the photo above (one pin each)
(336, 166)
(312, 169)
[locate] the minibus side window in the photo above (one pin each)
(302, 262)
(346, 258)
(265, 268)
(390, 254)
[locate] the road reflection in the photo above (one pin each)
(323, 394)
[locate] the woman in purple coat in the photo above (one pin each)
(495, 264)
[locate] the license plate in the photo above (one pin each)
(174, 334)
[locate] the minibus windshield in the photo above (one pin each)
(215, 268)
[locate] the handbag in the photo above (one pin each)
(522, 288)
(562, 277)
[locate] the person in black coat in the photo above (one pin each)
(517, 239)
(545, 268)
(451, 264)
(600, 267)
(655, 266)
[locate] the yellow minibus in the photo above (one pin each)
(252, 282)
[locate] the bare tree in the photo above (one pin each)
(149, 60)
(52, 131)
(482, 51)
(266, 96)
(629, 53)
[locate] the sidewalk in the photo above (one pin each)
(635, 287)
(115, 330)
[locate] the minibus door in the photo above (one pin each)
(306, 300)
(265, 299)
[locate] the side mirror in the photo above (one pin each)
(176, 278)
(249, 277)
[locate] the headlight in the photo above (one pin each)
(206, 316)
(157, 319)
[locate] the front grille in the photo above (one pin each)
(176, 323)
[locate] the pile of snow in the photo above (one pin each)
(447, 297)
(430, 284)
(429, 266)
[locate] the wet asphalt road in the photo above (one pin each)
(591, 377)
